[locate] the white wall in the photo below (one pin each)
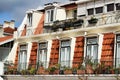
(29, 47)
(60, 14)
(36, 18)
(49, 51)
(1, 69)
(73, 40)
(12, 54)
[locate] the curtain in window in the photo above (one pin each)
(118, 55)
(65, 53)
(22, 60)
(42, 57)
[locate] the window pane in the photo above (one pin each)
(118, 6)
(90, 11)
(99, 10)
(65, 43)
(118, 55)
(92, 48)
(65, 53)
(22, 60)
(92, 41)
(52, 13)
(30, 19)
(118, 38)
(110, 7)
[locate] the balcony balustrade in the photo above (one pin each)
(80, 67)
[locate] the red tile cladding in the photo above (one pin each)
(24, 31)
(54, 55)
(108, 49)
(78, 52)
(16, 58)
(39, 28)
(5, 38)
(33, 55)
(9, 30)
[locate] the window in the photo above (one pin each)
(90, 11)
(75, 14)
(65, 53)
(118, 6)
(99, 10)
(30, 19)
(92, 48)
(49, 16)
(22, 57)
(110, 7)
(42, 54)
(117, 55)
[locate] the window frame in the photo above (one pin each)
(38, 55)
(113, 7)
(30, 19)
(49, 18)
(22, 52)
(68, 47)
(102, 9)
(117, 42)
(87, 39)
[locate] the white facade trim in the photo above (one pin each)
(12, 54)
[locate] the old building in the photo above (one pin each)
(67, 34)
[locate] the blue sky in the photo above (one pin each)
(16, 9)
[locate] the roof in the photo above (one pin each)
(6, 39)
(9, 30)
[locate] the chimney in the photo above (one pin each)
(10, 24)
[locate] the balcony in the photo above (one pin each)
(81, 67)
(98, 20)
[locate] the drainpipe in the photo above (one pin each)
(1, 70)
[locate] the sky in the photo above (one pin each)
(16, 9)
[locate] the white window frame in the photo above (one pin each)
(86, 46)
(43, 49)
(30, 19)
(48, 16)
(22, 62)
(116, 51)
(65, 63)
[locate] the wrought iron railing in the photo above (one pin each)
(83, 66)
(70, 24)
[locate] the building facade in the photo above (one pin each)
(69, 34)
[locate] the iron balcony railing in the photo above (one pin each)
(82, 66)
(84, 22)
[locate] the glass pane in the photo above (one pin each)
(90, 11)
(62, 56)
(110, 7)
(52, 13)
(65, 43)
(22, 60)
(43, 57)
(118, 55)
(95, 52)
(99, 10)
(42, 45)
(118, 38)
(92, 41)
(89, 49)
(118, 6)
(92, 51)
